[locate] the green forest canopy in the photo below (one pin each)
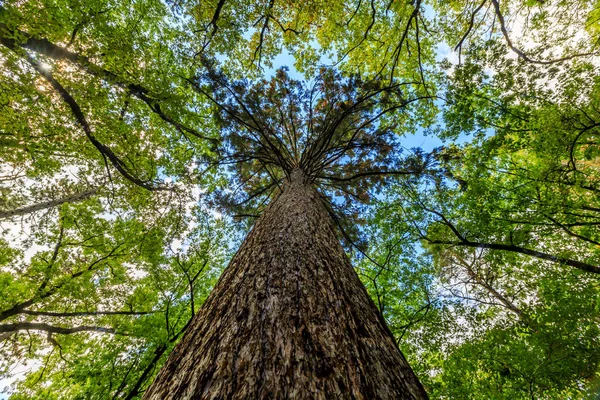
(125, 186)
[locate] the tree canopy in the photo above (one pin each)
(139, 139)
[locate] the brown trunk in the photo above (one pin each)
(289, 319)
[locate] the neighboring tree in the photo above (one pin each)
(107, 252)
(511, 234)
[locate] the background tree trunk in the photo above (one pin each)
(289, 318)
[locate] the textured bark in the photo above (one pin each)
(289, 319)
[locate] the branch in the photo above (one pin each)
(478, 279)
(48, 204)
(265, 26)
(398, 49)
(51, 50)
(38, 326)
(215, 18)
(104, 150)
(20, 307)
(521, 250)
(365, 174)
(571, 233)
(158, 353)
(471, 23)
(83, 313)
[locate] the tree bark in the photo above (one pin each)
(288, 319)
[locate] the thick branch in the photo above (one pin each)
(48, 204)
(37, 326)
(51, 50)
(106, 152)
(83, 313)
(215, 18)
(521, 250)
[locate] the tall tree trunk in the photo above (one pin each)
(288, 319)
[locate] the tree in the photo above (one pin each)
(121, 136)
(511, 232)
(289, 317)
